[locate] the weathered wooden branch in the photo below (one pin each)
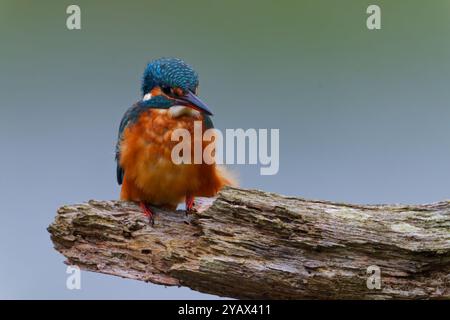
(254, 244)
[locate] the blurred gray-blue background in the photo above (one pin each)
(363, 115)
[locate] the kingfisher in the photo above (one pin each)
(145, 168)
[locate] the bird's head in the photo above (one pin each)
(172, 82)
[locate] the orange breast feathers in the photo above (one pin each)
(151, 175)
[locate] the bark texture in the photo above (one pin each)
(260, 245)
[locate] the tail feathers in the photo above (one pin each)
(226, 177)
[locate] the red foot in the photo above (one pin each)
(147, 212)
(189, 204)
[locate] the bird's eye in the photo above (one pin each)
(166, 90)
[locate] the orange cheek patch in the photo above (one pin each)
(178, 91)
(156, 91)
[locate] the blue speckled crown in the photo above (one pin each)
(169, 72)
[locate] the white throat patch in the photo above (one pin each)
(148, 96)
(178, 111)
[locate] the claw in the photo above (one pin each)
(147, 212)
(190, 205)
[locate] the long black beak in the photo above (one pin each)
(192, 101)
